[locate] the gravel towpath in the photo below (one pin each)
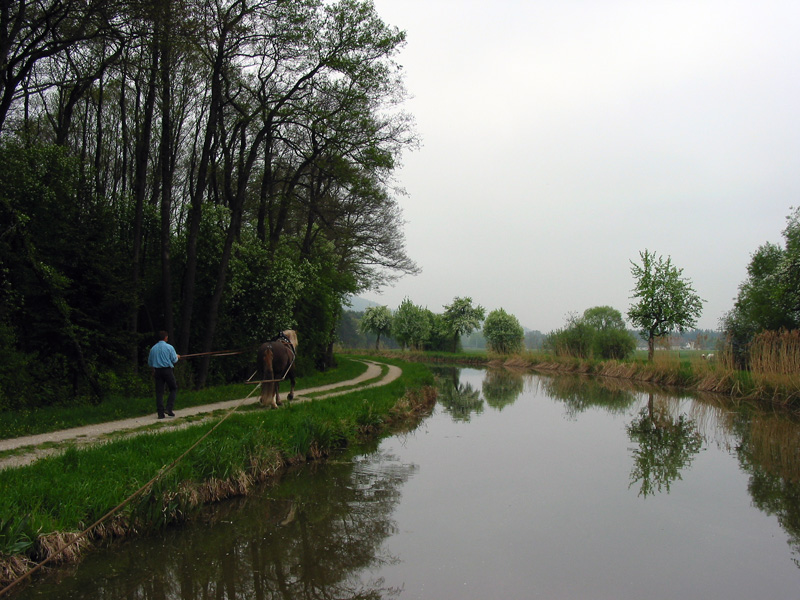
(34, 447)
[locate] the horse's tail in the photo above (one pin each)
(265, 357)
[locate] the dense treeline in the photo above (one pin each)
(769, 298)
(220, 169)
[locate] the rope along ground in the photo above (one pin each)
(37, 446)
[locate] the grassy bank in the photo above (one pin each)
(49, 502)
(54, 418)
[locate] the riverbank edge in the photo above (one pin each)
(695, 376)
(414, 398)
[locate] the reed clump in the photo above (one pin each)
(773, 358)
(775, 353)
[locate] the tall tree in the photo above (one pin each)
(32, 31)
(665, 300)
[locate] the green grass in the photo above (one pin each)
(69, 491)
(54, 418)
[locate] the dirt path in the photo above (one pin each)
(34, 447)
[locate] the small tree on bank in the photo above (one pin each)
(376, 320)
(503, 332)
(410, 325)
(666, 301)
(462, 318)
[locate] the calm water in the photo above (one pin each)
(517, 487)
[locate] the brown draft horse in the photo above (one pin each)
(276, 363)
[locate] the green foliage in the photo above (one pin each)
(599, 333)
(462, 319)
(62, 296)
(17, 536)
(769, 298)
(615, 344)
(665, 300)
(439, 333)
(665, 446)
(259, 207)
(410, 325)
(376, 320)
(503, 332)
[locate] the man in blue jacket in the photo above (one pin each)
(162, 358)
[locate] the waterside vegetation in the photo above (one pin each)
(773, 376)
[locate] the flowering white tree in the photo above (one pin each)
(410, 325)
(462, 318)
(377, 320)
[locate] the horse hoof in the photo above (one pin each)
(290, 397)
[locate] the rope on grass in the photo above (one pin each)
(164, 470)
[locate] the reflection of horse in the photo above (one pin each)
(276, 363)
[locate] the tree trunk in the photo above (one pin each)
(196, 211)
(139, 189)
(651, 348)
(236, 203)
(166, 182)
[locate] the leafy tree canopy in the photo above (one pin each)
(769, 298)
(503, 332)
(665, 301)
(376, 320)
(462, 318)
(410, 325)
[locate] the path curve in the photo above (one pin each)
(148, 424)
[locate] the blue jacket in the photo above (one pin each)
(162, 355)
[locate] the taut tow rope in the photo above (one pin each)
(164, 470)
(121, 505)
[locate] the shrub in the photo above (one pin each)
(503, 332)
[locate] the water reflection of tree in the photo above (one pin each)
(769, 452)
(502, 387)
(313, 538)
(459, 399)
(665, 446)
(581, 393)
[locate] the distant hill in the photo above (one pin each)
(359, 304)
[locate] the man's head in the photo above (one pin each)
(162, 335)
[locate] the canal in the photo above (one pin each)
(518, 486)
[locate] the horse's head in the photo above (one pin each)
(291, 335)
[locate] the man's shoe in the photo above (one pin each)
(160, 416)
(170, 414)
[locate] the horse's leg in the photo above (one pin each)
(278, 395)
(291, 391)
(267, 376)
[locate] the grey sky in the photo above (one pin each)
(561, 138)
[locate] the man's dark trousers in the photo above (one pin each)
(165, 376)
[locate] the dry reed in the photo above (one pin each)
(776, 353)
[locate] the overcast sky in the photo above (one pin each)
(560, 139)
